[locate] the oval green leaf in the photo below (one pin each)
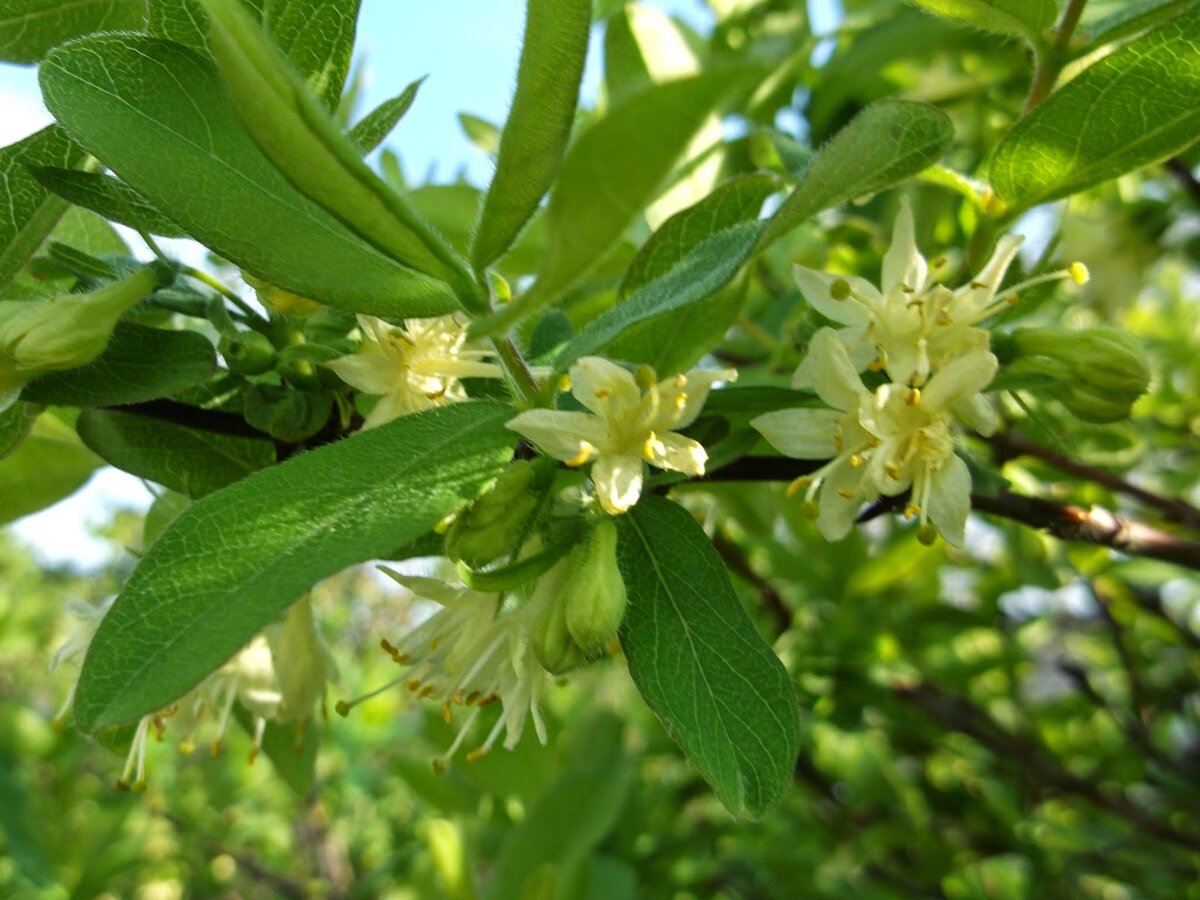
(698, 661)
(235, 560)
(29, 28)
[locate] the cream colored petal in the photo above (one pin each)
(833, 375)
(605, 388)
(678, 454)
(392, 406)
(964, 376)
(695, 391)
(618, 481)
(800, 433)
(836, 510)
(853, 310)
(980, 292)
(903, 264)
(950, 499)
(978, 412)
(370, 372)
(564, 435)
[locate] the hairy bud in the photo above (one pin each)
(491, 526)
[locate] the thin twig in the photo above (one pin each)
(221, 289)
(1010, 444)
(1050, 59)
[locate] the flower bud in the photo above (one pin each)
(595, 596)
(1099, 372)
(552, 643)
(278, 300)
(64, 332)
(248, 353)
(494, 522)
(301, 661)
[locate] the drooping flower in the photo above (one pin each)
(474, 651)
(885, 442)
(412, 367)
(910, 326)
(625, 427)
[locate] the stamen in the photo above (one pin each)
(911, 510)
(914, 397)
(343, 707)
(856, 461)
(585, 453)
(847, 493)
(794, 488)
(1078, 272)
(839, 289)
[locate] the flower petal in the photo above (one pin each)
(950, 499)
(560, 433)
(903, 264)
(605, 388)
(978, 412)
(695, 392)
(370, 372)
(618, 481)
(837, 511)
(833, 375)
(978, 295)
(800, 433)
(960, 378)
(816, 287)
(678, 454)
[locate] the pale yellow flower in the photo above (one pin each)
(885, 442)
(625, 427)
(412, 367)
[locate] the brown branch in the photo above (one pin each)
(960, 714)
(736, 562)
(1062, 520)
(1009, 445)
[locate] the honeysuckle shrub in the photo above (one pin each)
(771, 389)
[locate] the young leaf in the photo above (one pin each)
(371, 131)
(188, 460)
(305, 144)
(138, 364)
(193, 158)
(51, 464)
(1105, 121)
(615, 168)
(480, 132)
(1023, 18)
(113, 199)
(887, 142)
(697, 276)
(28, 211)
(29, 28)
(15, 423)
(236, 559)
(698, 661)
(535, 136)
(1135, 16)
(317, 36)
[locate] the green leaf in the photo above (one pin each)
(1139, 105)
(188, 460)
(1136, 16)
(139, 364)
(1023, 18)
(615, 168)
(29, 28)
(28, 211)
(480, 132)
(674, 341)
(308, 147)
(15, 423)
(236, 559)
(370, 131)
(50, 465)
(887, 142)
(535, 136)
(193, 158)
(287, 414)
(317, 36)
(566, 822)
(697, 276)
(113, 199)
(700, 664)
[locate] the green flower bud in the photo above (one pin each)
(1099, 372)
(248, 353)
(552, 643)
(595, 600)
(64, 332)
(490, 527)
(301, 661)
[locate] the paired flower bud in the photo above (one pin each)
(585, 601)
(64, 332)
(1097, 373)
(492, 525)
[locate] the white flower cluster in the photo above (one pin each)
(901, 436)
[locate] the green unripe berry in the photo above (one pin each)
(596, 597)
(248, 353)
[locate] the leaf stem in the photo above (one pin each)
(516, 370)
(1052, 58)
(225, 292)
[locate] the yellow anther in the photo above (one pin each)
(439, 766)
(563, 384)
(876, 365)
(978, 285)
(810, 510)
(653, 448)
(585, 453)
(893, 471)
(603, 394)
(252, 756)
(856, 461)
(847, 493)
(680, 380)
(839, 289)
(478, 754)
(939, 262)
(680, 400)
(1078, 272)
(792, 489)
(838, 442)
(907, 290)
(434, 643)
(911, 510)
(187, 747)
(425, 693)
(914, 397)
(413, 684)
(489, 699)
(447, 717)
(471, 698)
